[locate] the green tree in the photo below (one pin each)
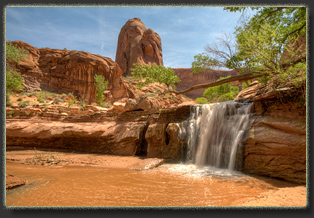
(216, 54)
(14, 79)
(101, 85)
(154, 73)
(269, 43)
(223, 92)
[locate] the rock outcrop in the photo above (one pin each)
(109, 137)
(189, 79)
(136, 44)
(64, 71)
(13, 182)
(107, 132)
(276, 144)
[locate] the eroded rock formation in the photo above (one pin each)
(136, 44)
(108, 132)
(276, 144)
(65, 71)
(189, 79)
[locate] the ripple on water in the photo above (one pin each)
(201, 171)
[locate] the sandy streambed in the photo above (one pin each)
(163, 186)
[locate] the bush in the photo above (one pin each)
(8, 104)
(14, 80)
(40, 99)
(23, 104)
(154, 73)
(82, 102)
(101, 85)
(72, 99)
(57, 100)
(19, 99)
(202, 100)
(224, 92)
(104, 105)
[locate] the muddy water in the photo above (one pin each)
(168, 185)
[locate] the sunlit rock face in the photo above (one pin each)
(136, 44)
(276, 145)
(65, 71)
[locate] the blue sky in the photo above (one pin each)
(184, 31)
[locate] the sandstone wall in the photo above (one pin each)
(276, 144)
(109, 132)
(189, 79)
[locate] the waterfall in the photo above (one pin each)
(214, 131)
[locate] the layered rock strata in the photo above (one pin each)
(106, 132)
(276, 144)
(136, 44)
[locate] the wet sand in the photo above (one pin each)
(247, 192)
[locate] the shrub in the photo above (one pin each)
(72, 99)
(8, 104)
(82, 102)
(14, 80)
(57, 100)
(23, 104)
(20, 99)
(28, 113)
(224, 92)
(11, 113)
(154, 73)
(202, 100)
(63, 96)
(101, 85)
(40, 99)
(104, 105)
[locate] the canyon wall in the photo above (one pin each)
(276, 144)
(64, 71)
(136, 44)
(189, 79)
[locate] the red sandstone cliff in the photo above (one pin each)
(65, 71)
(136, 44)
(189, 79)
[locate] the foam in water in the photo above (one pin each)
(214, 131)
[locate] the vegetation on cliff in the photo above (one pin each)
(154, 73)
(101, 85)
(14, 79)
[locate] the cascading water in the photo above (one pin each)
(214, 131)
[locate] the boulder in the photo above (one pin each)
(136, 44)
(119, 106)
(148, 104)
(131, 104)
